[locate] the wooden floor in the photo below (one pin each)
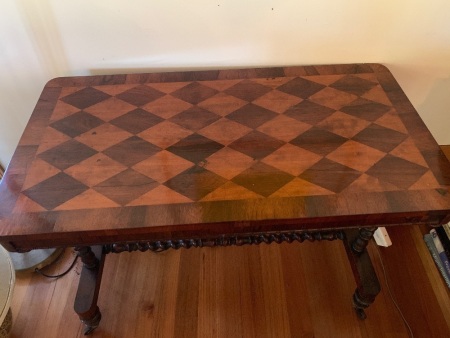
(287, 290)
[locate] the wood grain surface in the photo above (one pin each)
(282, 291)
(190, 154)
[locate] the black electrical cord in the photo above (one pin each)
(391, 295)
(39, 271)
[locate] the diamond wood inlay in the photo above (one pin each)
(77, 124)
(301, 87)
(397, 171)
(194, 118)
(136, 121)
(124, 152)
(343, 124)
(194, 93)
(247, 90)
(263, 179)
(256, 144)
(299, 187)
(195, 183)
(140, 95)
(291, 159)
(55, 190)
(392, 121)
(222, 104)
(162, 166)
(283, 128)
(165, 134)
(219, 162)
(103, 137)
(43, 171)
(125, 186)
(110, 109)
(223, 148)
(95, 169)
(85, 97)
(225, 131)
(277, 101)
(319, 141)
(366, 109)
(89, 199)
(167, 106)
(309, 112)
(330, 175)
(380, 138)
(230, 192)
(353, 84)
(195, 148)
(51, 139)
(63, 110)
(251, 115)
(67, 154)
(356, 155)
(333, 98)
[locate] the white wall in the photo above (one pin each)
(42, 39)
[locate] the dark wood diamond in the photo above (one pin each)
(195, 118)
(248, 90)
(256, 144)
(301, 87)
(55, 191)
(194, 93)
(136, 121)
(195, 183)
(67, 154)
(309, 112)
(353, 84)
(397, 171)
(366, 109)
(319, 141)
(85, 98)
(131, 151)
(126, 186)
(263, 179)
(77, 123)
(195, 148)
(330, 175)
(380, 138)
(252, 115)
(140, 95)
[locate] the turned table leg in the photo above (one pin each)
(367, 284)
(88, 288)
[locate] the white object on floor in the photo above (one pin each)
(381, 237)
(29, 261)
(7, 280)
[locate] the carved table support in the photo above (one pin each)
(367, 284)
(85, 306)
(238, 240)
(93, 259)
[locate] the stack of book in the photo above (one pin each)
(438, 242)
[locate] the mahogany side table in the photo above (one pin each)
(228, 157)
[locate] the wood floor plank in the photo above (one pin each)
(300, 321)
(330, 304)
(287, 290)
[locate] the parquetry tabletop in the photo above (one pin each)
(124, 157)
